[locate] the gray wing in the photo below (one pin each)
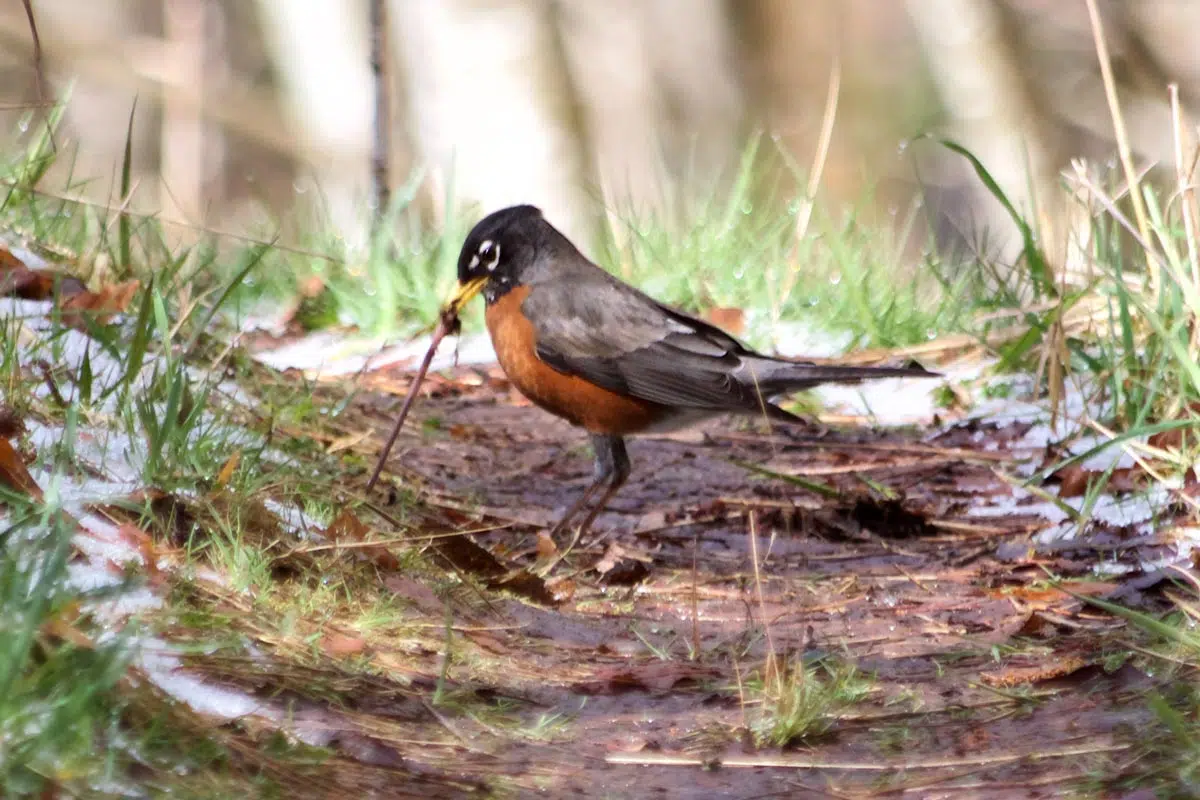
(616, 337)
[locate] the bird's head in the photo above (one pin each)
(496, 251)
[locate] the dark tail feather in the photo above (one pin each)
(783, 376)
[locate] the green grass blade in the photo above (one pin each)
(254, 259)
(1043, 280)
(823, 489)
(124, 224)
(141, 341)
(1148, 430)
(85, 376)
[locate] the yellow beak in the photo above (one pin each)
(464, 293)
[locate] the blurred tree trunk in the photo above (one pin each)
(789, 49)
(992, 112)
(655, 115)
(188, 30)
(103, 111)
(320, 50)
(491, 111)
(571, 105)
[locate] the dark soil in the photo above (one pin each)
(651, 637)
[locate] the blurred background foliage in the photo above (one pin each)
(257, 116)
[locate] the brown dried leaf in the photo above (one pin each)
(144, 544)
(418, 593)
(11, 425)
(230, 467)
(546, 548)
(628, 744)
(730, 319)
(341, 644)
(1073, 481)
(9, 260)
(18, 280)
(562, 588)
(13, 473)
(347, 527)
(524, 583)
(465, 433)
(1048, 598)
(612, 555)
(488, 642)
(1173, 439)
(1017, 676)
(468, 556)
(104, 303)
(627, 573)
(348, 441)
(1033, 625)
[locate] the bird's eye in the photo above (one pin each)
(489, 254)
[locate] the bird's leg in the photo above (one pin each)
(611, 451)
(612, 468)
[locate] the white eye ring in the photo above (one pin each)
(474, 262)
(488, 247)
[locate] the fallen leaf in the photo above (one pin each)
(11, 425)
(418, 593)
(546, 548)
(29, 284)
(347, 527)
(731, 319)
(9, 261)
(974, 739)
(465, 433)
(488, 642)
(341, 644)
(347, 441)
(628, 744)
(611, 556)
(626, 573)
(231, 465)
(468, 556)
(102, 304)
(19, 280)
(1034, 625)
(1173, 439)
(144, 544)
(13, 473)
(1073, 481)
(524, 583)
(562, 588)
(1051, 597)
(1017, 676)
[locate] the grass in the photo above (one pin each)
(741, 248)
(1114, 320)
(71, 719)
(54, 679)
(1122, 330)
(145, 398)
(1168, 647)
(759, 246)
(800, 702)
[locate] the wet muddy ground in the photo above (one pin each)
(649, 641)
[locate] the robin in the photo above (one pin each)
(609, 358)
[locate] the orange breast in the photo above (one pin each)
(582, 403)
